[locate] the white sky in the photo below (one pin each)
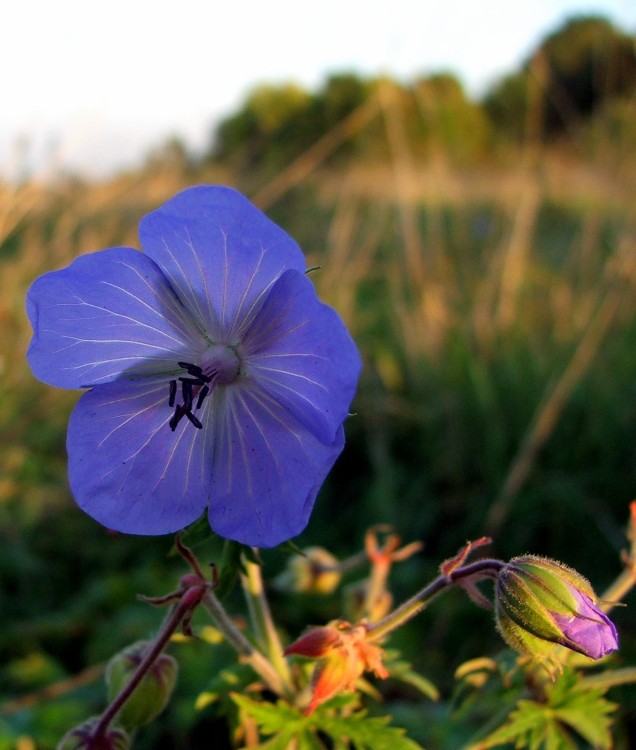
(92, 86)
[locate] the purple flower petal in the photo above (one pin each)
(588, 630)
(107, 315)
(127, 469)
(220, 254)
(299, 351)
(267, 469)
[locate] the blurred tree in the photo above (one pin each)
(264, 129)
(278, 123)
(583, 64)
(449, 121)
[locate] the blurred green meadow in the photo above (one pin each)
(492, 293)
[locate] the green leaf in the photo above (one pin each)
(530, 726)
(588, 714)
(366, 733)
(271, 717)
(286, 723)
(570, 705)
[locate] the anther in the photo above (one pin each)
(202, 394)
(193, 419)
(186, 392)
(173, 393)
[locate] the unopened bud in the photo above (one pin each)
(314, 572)
(540, 602)
(83, 737)
(152, 693)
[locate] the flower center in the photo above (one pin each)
(220, 365)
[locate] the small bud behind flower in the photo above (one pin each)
(151, 694)
(315, 572)
(82, 738)
(540, 602)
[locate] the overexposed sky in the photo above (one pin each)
(92, 86)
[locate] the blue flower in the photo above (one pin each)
(216, 378)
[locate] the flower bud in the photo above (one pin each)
(540, 602)
(151, 694)
(314, 572)
(82, 738)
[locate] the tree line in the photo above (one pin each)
(580, 82)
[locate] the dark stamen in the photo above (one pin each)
(195, 371)
(192, 369)
(186, 392)
(194, 420)
(190, 387)
(202, 394)
(175, 418)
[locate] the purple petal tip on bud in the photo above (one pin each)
(540, 602)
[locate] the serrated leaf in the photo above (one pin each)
(367, 733)
(270, 717)
(530, 726)
(571, 706)
(588, 715)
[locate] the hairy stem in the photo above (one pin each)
(248, 653)
(414, 605)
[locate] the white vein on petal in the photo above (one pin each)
(207, 441)
(171, 304)
(264, 339)
(131, 415)
(241, 438)
(225, 279)
(185, 293)
(76, 340)
(277, 385)
(264, 399)
(246, 320)
(278, 355)
(178, 438)
(290, 373)
(111, 313)
(248, 465)
(212, 317)
(151, 369)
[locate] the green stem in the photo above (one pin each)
(263, 622)
(414, 605)
(248, 653)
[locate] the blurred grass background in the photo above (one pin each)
(486, 268)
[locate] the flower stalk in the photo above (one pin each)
(245, 650)
(263, 622)
(180, 613)
(471, 572)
